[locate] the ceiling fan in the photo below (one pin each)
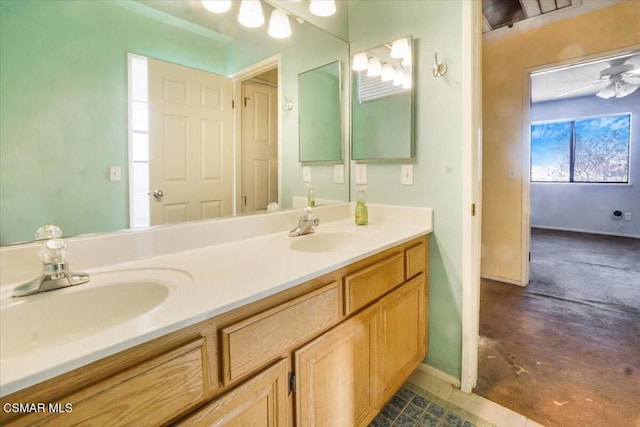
(619, 79)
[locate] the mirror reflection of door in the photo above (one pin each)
(190, 144)
(259, 142)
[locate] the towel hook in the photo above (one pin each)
(439, 68)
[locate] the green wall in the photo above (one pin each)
(436, 27)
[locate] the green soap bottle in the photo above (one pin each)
(362, 215)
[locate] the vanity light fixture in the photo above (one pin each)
(360, 62)
(322, 7)
(406, 84)
(398, 77)
(374, 67)
(217, 6)
(400, 49)
(279, 27)
(251, 15)
(387, 73)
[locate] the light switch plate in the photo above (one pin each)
(361, 173)
(306, 174)
(407, 174)
(338, 174)
(115, 173)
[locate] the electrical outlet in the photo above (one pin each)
(115, 173)
(628, 216)
(306, 174)
(361, 174)
(407, 174)
(338, 174)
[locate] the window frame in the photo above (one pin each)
(572, 149)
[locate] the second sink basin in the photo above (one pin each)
(328, 242)
(56, 317)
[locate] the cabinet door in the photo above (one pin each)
(262, 401)
(403, 332)
(337, 376)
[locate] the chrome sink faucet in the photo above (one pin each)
(55, 269)
(306, 223)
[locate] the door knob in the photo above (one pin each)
(158, 194)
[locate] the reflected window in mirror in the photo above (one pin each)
(382, 101)
(320, 129)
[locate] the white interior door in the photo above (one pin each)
(259, 146)
(190, 144)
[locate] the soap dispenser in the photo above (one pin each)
(362, 215)
(311, 196)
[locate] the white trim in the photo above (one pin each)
(502, 279)
(579, 230)
(238, 78)
(437, 373)
(471, 183)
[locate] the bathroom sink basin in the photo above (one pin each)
(56, 317)
(328, 242)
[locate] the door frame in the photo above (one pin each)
(239, 77)
(526, 145)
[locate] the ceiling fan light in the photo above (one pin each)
(360, 62)
(251, 13)
(217, 6)
(322, 7)
(623, 89)
(279, 27)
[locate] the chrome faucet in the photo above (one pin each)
(55, 269)
(306, 223)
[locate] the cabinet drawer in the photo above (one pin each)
(416, 260)
(260, 339)
(368, 284)
(149, 394)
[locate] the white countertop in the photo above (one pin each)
(214, 279)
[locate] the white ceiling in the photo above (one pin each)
(580, 79)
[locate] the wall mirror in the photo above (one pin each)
(64, 90)
(319, 114)
(382, 93)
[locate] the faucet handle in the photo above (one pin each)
(48, 231)
(53, 251)
(307, 212)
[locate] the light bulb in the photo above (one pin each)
(360, 62)
(407, 81)
(217, 6)
(387, 73)
(398, 77)
(251, 13)
(279, 27)
(322, 7)
(399, 48)
(374, 68)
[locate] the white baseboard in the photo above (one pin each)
(579, 230)
(430, 370)
(502, 279)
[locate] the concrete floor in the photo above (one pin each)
(565, 351)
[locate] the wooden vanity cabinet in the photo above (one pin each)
(330, 351)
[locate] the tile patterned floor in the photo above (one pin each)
(412, 406)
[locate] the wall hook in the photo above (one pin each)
(439, 68)
(287, 104)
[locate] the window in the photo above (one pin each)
(595, 149)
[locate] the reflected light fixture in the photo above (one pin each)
(251, 15)
(322, 7)
(217, 6)
(387, 73)
(279, 27)
(398, 77)
(360, 62)
(406, 84)
(374, 68)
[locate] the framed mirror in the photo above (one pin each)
(320, 108)
(382, 93)
(65, 156)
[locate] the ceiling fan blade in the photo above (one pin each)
(599, 82)
(634, 80)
